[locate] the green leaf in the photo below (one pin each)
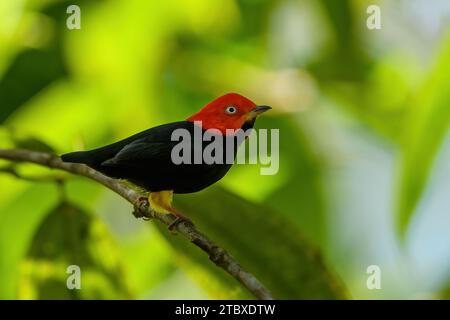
(19, 216)
(303, 168)
(19, 140)
(71, 236)
(31, 71)
(346, 48)
(298, 177)
(427, 126)
(263, 241)
(33, 144)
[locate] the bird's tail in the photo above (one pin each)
(78, 157)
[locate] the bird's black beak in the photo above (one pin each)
(257, 111)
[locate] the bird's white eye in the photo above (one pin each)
(231, 110)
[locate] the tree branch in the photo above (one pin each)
(216, 254)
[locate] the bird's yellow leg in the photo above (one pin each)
(161, 201)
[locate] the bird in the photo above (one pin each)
(146, 158)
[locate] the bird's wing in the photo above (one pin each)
(141, 153)
(153, 147)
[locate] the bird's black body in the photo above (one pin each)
(145, 159)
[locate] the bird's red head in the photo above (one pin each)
(230, 111)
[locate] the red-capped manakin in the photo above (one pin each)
(145, 158)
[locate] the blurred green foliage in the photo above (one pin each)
(135, 64)
(427, 127)
(70, 236)
(265, 242)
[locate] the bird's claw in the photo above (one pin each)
(179, 219)
(140, 206)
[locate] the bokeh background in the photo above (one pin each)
(365, 150)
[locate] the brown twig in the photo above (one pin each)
(216, 254)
